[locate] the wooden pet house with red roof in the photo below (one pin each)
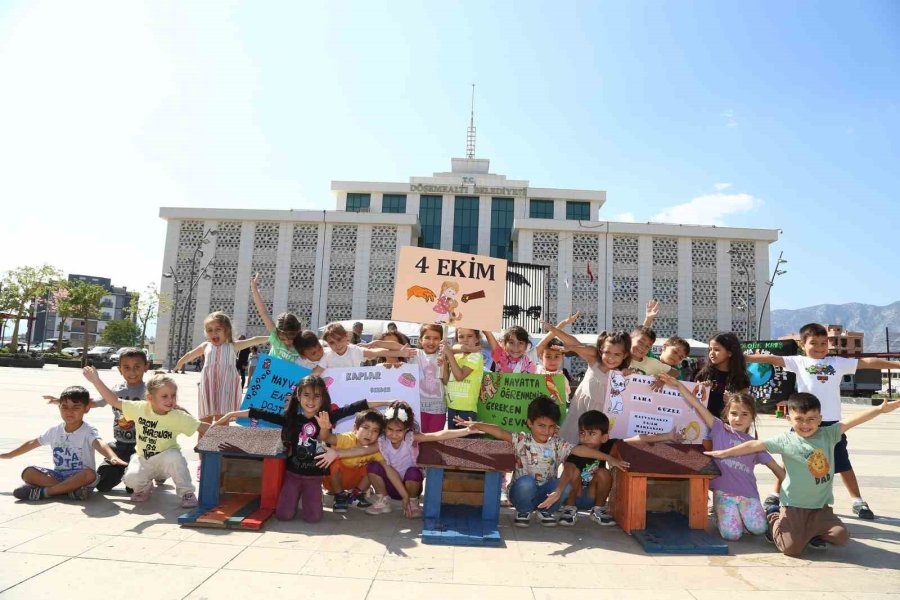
(462, 490)
(662, 498)
(241, 473)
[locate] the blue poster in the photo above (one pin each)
(273, 381)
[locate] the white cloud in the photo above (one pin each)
(625, 217)
(730, 119)
(708, 209)
(721, 187)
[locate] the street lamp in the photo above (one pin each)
(190, 283)
(744, 264)
(775, 273)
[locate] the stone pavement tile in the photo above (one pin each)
(350, 542)
(871, 596)
(392, 590)
(11, 537)
(241, 584)
(768, 595)
(345, 564)
(133, 549)
(15, 568)
(481, 572)
(160, 529)
(404, 547)
(510, 551)
(290, 541)
(424, 570)
(569, 593)
(83, 578)
(872, 553)
(42, 520)
(853, 580)
(192, 554)
(14, 509)
(573, 553)
(270, 560)
(62, 543)
(231, 537)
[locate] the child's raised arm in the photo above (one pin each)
(749, 447)
(229, 417)
(769, 359)
(254, 341)
(459, 373)
(260, 305)
(539, 349)
(588, 353)
(488, 428)
(107, 453)
(26, 447)
(651, 313)
(587, 452)
(447, 434)
(195, 353)
(491, 340)
(90, 373)
(403, 352)
(876, 363)
(708, 417)
(868, 415)
(332, 454)
(674, 436)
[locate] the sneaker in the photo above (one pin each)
(341, 502)
(141, 495)
(770, 501)
(601, 516)
(523, 519)
(381, 506)
(414, 510)
(548, 519)
(818, 543)
(359, 499)
(189, 500)
(861, 509)
(568, 516)
(81, 493)
(29, 492)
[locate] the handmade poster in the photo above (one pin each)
(351, 384)
(269, 390)
(634, 408)
(449, 288)
(505, 397)
(770, 385)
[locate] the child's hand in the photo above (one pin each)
(887, 407)
(658, 384)
(552, 498)
(325, 459)
(5, 455)
(254, 283)
(90, 373)
(408, 352)
(117, 461)
(677, 436)
(666, 379)
(571, 318)
(618, 464)
(463, 423)
(225, 419)
(716, 453)
(407, 509)
(324, 421)
(51, 399)
(652, 309)
(546, 326)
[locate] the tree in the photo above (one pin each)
(147, 307)
(22, 289)
(120, 332)
(84, 299)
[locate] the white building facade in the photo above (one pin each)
(335, 265)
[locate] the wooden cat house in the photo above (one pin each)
(241, 473)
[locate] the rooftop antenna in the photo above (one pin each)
(470, 135)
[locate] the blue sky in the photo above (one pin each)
(762, 114)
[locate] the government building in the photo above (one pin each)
(339, 264)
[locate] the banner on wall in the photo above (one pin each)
(768, 384)
(449, 288)
(505, 397)
(351, 384)
(634, 408)
(271, 387)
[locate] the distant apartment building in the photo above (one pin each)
(114, 305)
(840, 341)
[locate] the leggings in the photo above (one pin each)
(735, 513)
(297, 487)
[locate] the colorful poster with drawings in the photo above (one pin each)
(634, 408)
(449, 288)
(271, 387)
(350, 384)
(768, 384)
(505, 397)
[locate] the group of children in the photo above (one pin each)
(560, 468)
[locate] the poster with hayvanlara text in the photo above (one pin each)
(505, 397)
(634, 408)
(449, 288)
(351, 384)
(270, 389)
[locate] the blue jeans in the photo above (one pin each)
(525, 493)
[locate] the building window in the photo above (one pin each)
(858, 343)
(540, 209)
(465, 224)
(501, 227)
(430, 220)
(393, 203)
(578, 211)
(358, 202)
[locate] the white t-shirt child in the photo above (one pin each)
(352, 357)
(71, 451)
(822, 378)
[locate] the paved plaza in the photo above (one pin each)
(108, 547)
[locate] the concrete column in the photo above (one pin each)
(604, 276)
(413, 202)
(520, 208)
(685, 289)
(525, 246)
(559, 210)
(167, 287)
(376, 202)
(282, 267)
(358, 307)
(448, 207)
(203, 290)
(645, 273)
(484, 225)
(763, 272)
(242, 302)
(319, 280)
(723, 268)
(566, 273)
(321, 301)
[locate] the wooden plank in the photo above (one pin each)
(210, 469)
(249, 508)
(698, 515)
(669, 533)
(273, 475)
(491, 508)
(463, 481)
(256, 519)
(434, 485)
(466, 498)
(240, 485)
(637, 507)
(190, 517)
(231, 504)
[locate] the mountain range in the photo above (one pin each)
(867, 318)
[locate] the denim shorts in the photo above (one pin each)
(63, 474)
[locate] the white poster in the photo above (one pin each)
(351, 384)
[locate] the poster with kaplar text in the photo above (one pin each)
(449, 288)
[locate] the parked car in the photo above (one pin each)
(74, 352)
(101, 352)
(43, 347)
